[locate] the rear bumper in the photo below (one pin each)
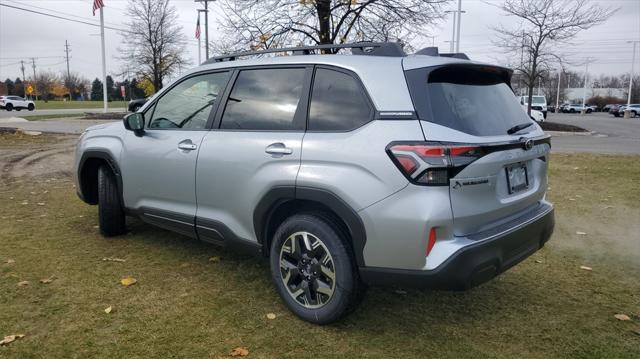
(476, 263)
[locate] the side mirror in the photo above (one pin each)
(135, 122)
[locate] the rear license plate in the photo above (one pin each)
(517, 179)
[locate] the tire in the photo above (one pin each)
(633, 114)
(9, 107)
(31, 107)
(572, 111)
(110, 211)
(307, 270)
(589, 111)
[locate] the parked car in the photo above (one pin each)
(17, 103)
(634, 109)
(373, 167)
(615, 110)
(578, 108)
(538, 103)
(136, 104)
(606, 108)
(535, 114)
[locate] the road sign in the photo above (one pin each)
(29, 89)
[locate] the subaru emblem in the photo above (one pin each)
(528, 144)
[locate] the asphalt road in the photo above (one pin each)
(611, 135)
(8, 114)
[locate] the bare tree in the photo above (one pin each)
(44, 82)
(273, 23)
(545, 25)
(71, 82)
(153, 42)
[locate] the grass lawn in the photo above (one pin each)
(185, 305)
(55, 105)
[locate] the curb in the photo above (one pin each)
(567, 133)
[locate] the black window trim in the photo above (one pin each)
(372, 109)
(300, 115)
(152, 106)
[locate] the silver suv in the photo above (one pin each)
(374, 167)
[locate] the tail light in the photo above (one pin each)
(432, 240)
(432, 164)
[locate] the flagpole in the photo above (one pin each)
(104, 62)
(199, 46)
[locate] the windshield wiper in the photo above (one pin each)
(518, 128)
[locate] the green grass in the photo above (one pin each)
(186, 306)
(55, 105)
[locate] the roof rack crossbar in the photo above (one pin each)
(361, 48)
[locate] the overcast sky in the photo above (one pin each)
(24, 35)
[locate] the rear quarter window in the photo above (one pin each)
(472, 99)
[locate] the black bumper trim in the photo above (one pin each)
(474, 264)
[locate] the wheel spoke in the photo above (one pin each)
(307, 242)
(308, 298)
(328, 272)
(323, 288)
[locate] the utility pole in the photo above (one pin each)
(66, 50)
(453, 31)
(627, 112)
(459, 20)
(206, 27)
(35, 88)
(199, 38)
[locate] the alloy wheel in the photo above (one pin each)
(307, 270)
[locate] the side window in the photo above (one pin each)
(338, 102)
(187, 105)
(265, 99)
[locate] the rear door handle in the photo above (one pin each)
(278, 148)
(187, 145)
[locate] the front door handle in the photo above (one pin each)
(187, 145)
(278, 148)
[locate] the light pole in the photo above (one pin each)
(558, 93)
(627, 111)
(453, 31)
(584, 88)
(459, 20)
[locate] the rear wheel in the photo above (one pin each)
(9, 107)
(110, 209)
(313, 270)
(31, 107)
(634, 113)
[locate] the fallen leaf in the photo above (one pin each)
(120, 260)
(24, 283)
(214, 259)
(47, 280)
(538, 261)
(571, 199)
(10, 339)
(271, 316)
(40, 203)
(128, 281)
(239, 352)
(581, 233)
(586, 268)
(10, 261)
(108, 310)
(622, 317)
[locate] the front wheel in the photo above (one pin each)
(312, 268)
(9, 107)
(31, 107)
(110, 209)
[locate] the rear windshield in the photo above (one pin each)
(471, 99)
(538, 99)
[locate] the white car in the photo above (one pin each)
(536, 115)
(18, 103)
(538, 103)
(578, 108)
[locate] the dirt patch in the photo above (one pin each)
(23, 157)
(554, 126)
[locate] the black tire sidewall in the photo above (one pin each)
(31, 107)
(9, 107)
(346, 279)
(110, 211)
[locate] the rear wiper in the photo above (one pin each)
(518, 128)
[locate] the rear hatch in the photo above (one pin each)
(496, 158)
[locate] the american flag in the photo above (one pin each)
(197, 27)
(96, 5)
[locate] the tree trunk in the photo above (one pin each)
(323, 7)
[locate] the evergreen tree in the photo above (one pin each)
(10, 87)
(96, 90)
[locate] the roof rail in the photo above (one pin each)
(392, 49)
